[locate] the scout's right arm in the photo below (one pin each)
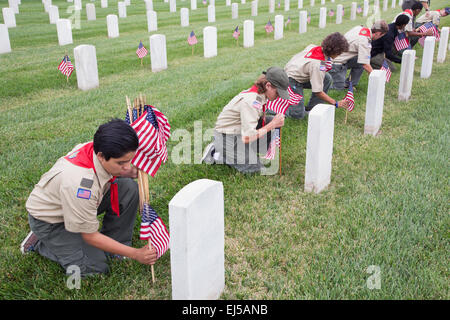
(277, 122)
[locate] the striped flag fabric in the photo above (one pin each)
(430, 26)
(308, 20)
(328, 65)
(349, 97)
(192, 39)
(269, 27)
(153, 131)
(288, 21)
(359, 9)
(141, 51)
(276, 142)
(385, 67)
(66, 66)
(236, 33)
(401, 42)
(280, 105)
(331, 13)
(154, 229)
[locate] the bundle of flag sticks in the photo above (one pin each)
(153, 131)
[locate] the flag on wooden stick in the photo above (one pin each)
(141, 51)
(269, 27)
(349, 97)
(66, 66)
(236, 33)
(154, 229)
(385, 67)
(192, 39)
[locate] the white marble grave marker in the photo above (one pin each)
(112, 22)
(385, 5)
(90, 12)
(375, 102)
(249, 33)
(104, 4)
(209, 42)
(211, 14)
(311, 3)
(5, 45)
(319, 148)
(300, 4)
(197, 241)
(302, 26)
(64, 30)
(173, 5)
(152, 21)
(366, 8)
(278, 28)
(406, 75)
(339, 9)
(443, 43)
(353, 11)
(254, 8)
(158, 52)
(287, 5)
(78, 4)
(86, 66)
(271, 6)
(184, 15)
(14, 4)
(234, 11)
(9, 18)
(193, 4)
(323, 17)
(122, 9)
(53, 14)
(148, 5)
(427, 59)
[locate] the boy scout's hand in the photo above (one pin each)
(343, 104)
(145, 255)
(278, 120)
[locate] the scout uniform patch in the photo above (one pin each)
(83, 193)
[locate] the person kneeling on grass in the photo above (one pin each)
(242, 130)
(309, 69)
(93, 178)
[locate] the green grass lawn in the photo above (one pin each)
(387, 204)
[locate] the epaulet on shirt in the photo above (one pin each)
(365, 32)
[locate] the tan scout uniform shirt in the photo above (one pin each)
(56, 198)
(303, 69)
(359, 45)
(241, 114)
(430, 16)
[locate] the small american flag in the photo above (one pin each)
(276, 142)
(328, 65)
(385, 67)
(349, 97)
(192, 39)
(141, 51)
(269, 27)
(359, 9)
(430, 26)
(280, 105)
(401, 42)
(308, 20)
(66, 66)
(331, 13)
(204, 2)
(154, 229)
(288, 21)
(236, 33)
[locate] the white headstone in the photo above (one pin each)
(339, 11)
(209, 42)
(211, 14)
(152, 21)
(173, 5)
(9, 18)
(300, 4)
(311, 3)
(278, 28)
(197, 241)
(302, 25)
(212, 2)
(184, 15)
(287, 5)
(64, 30)
(127, 2)
(149, 5)
(322, 2)
(353, 11)
(249, 33)
(254, 8)
(393, 4)
(443, 43)
(47, 4)
(90, 12)
(5, 45)
(385, 5)
(112, 21)
(193, 4)
(323, 17)
(319, 148)
(234, 11)
(375, 102)
(104, 4)
(406, 75)
(427, 59)
(228, 3)
(122, 9)
(78, 4)
(158, 52)
(86, 67)
(14, 4)
(53, 14)
(271, 6)
(366, 8)
(400, 2)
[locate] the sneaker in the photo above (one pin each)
(208, 154)
(28, 243)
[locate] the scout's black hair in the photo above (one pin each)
(417, 5)
(114, 139)
(401, 20)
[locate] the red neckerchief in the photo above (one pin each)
(365, 32)
(409, 11)
(83, 157)
(316, 53)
